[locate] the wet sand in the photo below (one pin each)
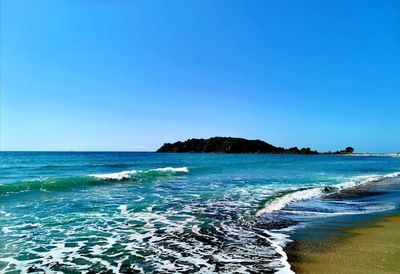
(374, 248)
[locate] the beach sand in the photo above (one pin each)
(374, 248)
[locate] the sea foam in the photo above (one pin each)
(300, 195)
(171, 169)
(283, 201)
(116, 175)
(129, 173)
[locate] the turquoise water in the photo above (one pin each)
(156, 213)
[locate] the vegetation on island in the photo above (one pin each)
(237, 145)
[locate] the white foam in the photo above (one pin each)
(123, 209)
(128, 173)
(5, 213)
(171, 169)
(6, 230)
(282, 202)
(392, 175)
(278, 241)
(115, 176)
(367, 179)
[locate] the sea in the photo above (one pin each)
(145, 212)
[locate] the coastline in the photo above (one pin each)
(370, 248)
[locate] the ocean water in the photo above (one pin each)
(95, 212)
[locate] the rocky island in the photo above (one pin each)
(237, 145)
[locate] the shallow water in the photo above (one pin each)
(78, 212)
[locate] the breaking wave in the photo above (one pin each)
(51, 184)
(128, 174)
(280, 202)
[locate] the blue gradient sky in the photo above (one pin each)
(130, 75)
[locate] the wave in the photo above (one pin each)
(116, 175)
(278, 241)
(50, 184)
(128, 174)
(171, 169)
(280, 202)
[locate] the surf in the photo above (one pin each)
(282, 201)
(53, 184)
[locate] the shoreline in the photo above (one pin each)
(373, 247)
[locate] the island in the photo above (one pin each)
(237, 145)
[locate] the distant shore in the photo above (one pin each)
(234, 145)
(374, 248)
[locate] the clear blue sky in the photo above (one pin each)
(131, 75)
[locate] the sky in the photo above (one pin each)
(131, 75)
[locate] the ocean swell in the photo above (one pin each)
(51, 184)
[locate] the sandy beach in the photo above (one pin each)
(374, 248)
